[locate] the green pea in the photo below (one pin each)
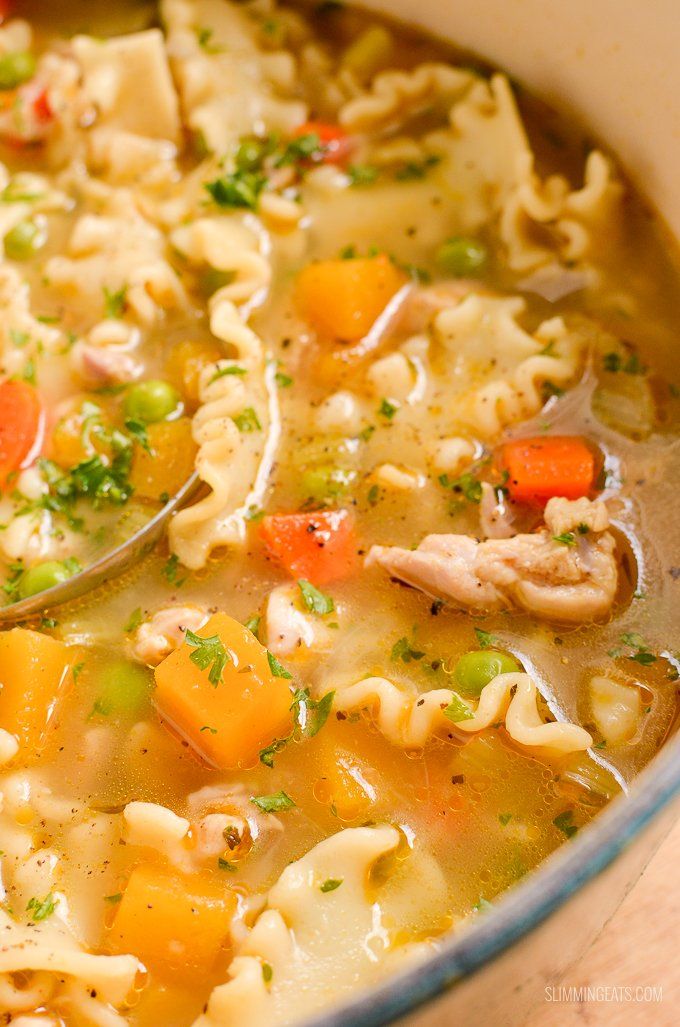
(43, 576)
(16, 68)
(474, 670)
(124, 689)
(152, 401)
(462, 255)
(24, 240)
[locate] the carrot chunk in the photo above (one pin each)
(172, 922)
(223, 694)
(335, 141)
(318, 546)
(35, 674)
(543, 467)
(22, 427)
(342, 299)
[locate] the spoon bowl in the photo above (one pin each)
(111, 565)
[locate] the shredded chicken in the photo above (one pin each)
(100, 366)
(568, 575)
(159, 636)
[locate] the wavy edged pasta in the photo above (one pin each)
(487, 159)
(396, 96)
(410, 721)
(57, 967)
(117, 248)
(236, 429)
(233, 87)
(314, 942)
(498, 367)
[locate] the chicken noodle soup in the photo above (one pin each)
(413, 332)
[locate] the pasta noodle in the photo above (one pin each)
(411, 720)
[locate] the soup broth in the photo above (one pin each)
(415, 334)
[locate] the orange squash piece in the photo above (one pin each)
(185, 363)
(342, 299)
(170, 462)
(230, 722)
(35, 674)
(172, 922)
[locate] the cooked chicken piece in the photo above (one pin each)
(572, 580)
(101, 366)
(442, 565)
(289, 627)
(563, 515)
(164, 632)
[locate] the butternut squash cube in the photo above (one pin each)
(172, 922)
(342, 299)
(35, 674)
(170, 462)
(230, 719)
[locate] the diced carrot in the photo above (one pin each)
(172, 922)
(546, 466)
(335, 141)
(318, 546)
(168, 463)
(342, 299)
(35, 674)
(231, 719)
(22, 427)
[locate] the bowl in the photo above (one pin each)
(592, 62)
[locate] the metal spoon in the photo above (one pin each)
(111, 565)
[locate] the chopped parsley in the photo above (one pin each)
(642, 653)
(309, 716)
(505, 818)
(279, 802)
(138, 431)
(466, 485)
(485, 638)
(567, 538)
(40, 909)
(247, 421)
(277, 669)
(563, 823)
(210, 653)
(315, 601)
(212, 730)
(362, 174)
(113, 899)
(115, 301)
(413, 170)
(134, 620)
(615, 362)
(267, 972)
(457, 710)
(230, 369)
(404, 651)
(239, 189)
(331, 884)
(284, 381)
(388, 408)
(225, 864)
(170, 569)
(253, 624)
